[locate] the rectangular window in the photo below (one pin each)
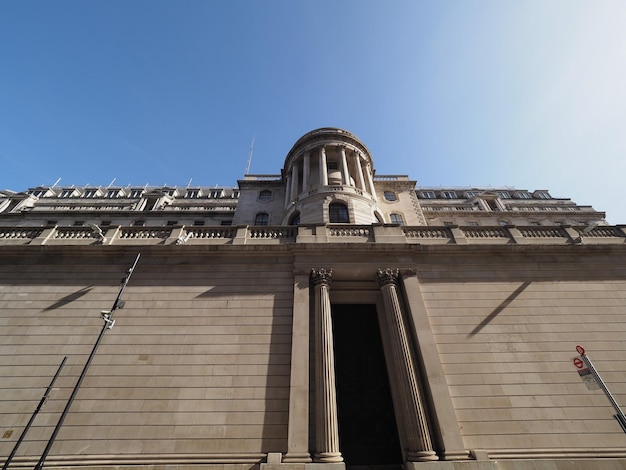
(504, 195)
(428, 194)
(449, 194)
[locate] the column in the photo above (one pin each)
(418, 439)
(298, 431)
(287, 189)
(294, 181)
(306, 171)
(323, 168)
(370, 179)
(359, 172)
(345, 174)
(326, 425)
(447, 429)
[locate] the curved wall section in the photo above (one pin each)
(330, 165)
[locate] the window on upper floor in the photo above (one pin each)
(470, 194)
(135, 193)
(390, 196)
(472, 223)
(522, 195)
(265, 195)
(67, 193)
(447, 223)
(139, 223)
(235, 194)
(338, 213)
(38, 192)
(503, 222)
(396, 219)
(216, 193)
(449, 194)
(504, 194)
(428, 194)
(91, 193)
(262, 218)
(295, 219)
(541, 195)
(198, 223)
(192, 193)
(111, 193)
(172, 222)
(332, 166)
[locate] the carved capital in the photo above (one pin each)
(387, 276)
(321, 276)
(409, 272)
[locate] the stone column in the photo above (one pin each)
(287, 189)
(323, 168)
(419, 445)
(326, 425)
(359, 172)
(294, 181)
(298, 432)
(370, 179)
(306, 170)
(345, 174)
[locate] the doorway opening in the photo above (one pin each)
(368, 434)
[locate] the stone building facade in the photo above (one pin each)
(323, 317)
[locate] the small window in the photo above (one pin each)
(68, 192)
(534, 223)
(396, 219)
(78, 223)
(265, 195)
(472, 223)
(504, 195)
(295, 219)
(262, 218)
(105, 223)
(235, 194)
(449, 194)
(225, 223)
(91, 193)
(338, 213)
(171, 222)
(216, 194)
(390, 196)
(135, 193)
(51, 222)
(504, 223)
(192, 193)
(470, 194)
(448, 223)
(139, 223)
(522, 195)
(332, 166)
(198, 223)
(428, 195)
(111, 193)
(542, 195)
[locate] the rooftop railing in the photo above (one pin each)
(331, 233)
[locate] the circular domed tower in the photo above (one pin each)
(329, 178)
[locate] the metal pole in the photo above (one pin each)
(108, 324)
(620, 417)
(34, 415)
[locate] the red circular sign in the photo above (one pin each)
(580, 350)
(578, 362)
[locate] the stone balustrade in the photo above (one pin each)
(332, 233)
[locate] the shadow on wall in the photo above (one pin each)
(505, 303)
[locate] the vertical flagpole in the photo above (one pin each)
(108, 324)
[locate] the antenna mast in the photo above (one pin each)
(249, 157)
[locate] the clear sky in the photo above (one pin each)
(530, 94)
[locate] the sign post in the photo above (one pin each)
(593, 381)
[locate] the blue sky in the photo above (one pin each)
(529, 94)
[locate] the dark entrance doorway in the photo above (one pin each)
(368, 434)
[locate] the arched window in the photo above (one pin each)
(295, 219)
(390, 196)
(338, 213)
(396, 219)
(262, 218)
(265, 195)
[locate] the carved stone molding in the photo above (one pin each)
(387, 276)
(321, 276)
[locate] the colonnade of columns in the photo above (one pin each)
(413, 410)
(355, 171)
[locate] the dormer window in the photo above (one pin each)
(136, 193)
(112, 193)
(68, 193)
(216, 194)
(504, 195)
(449, 194)
(541, 195)
(192, 194)
(522, 195)
(91, 193)
(428, 195)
